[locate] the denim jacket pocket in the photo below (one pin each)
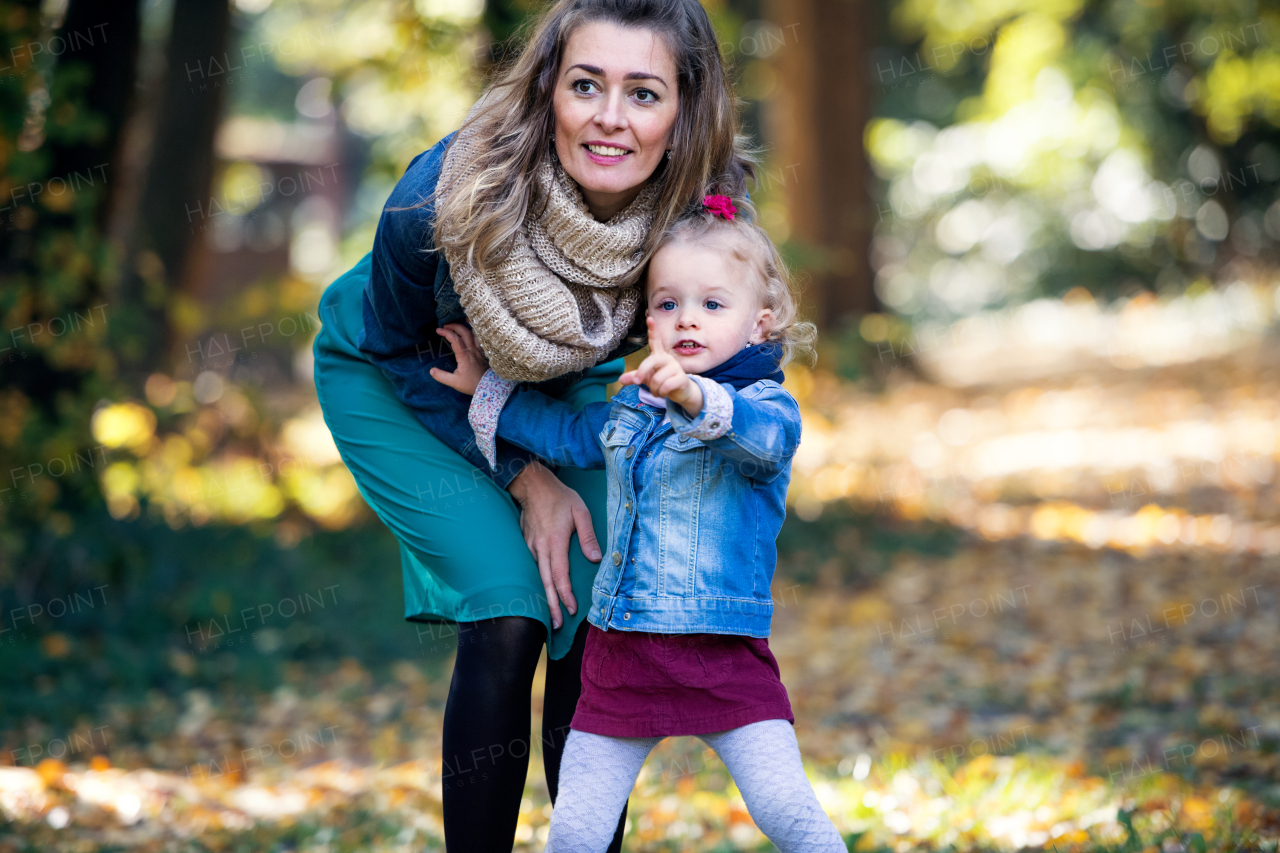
(684, 471)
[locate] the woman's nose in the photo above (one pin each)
(612, 116)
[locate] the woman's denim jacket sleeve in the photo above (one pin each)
(408, 296)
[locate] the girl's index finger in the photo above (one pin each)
(655, 342)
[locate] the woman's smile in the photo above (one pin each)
(606, 154)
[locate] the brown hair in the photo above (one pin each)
(515, 117)
(748, 243)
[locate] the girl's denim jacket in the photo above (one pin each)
(695, 505)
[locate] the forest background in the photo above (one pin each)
(1026, 589)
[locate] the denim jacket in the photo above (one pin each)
(693, 521)
(409, 294)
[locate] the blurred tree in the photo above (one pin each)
(821, 112)
(66, 98)
(109, 64)
(178, 175)
(70, 313)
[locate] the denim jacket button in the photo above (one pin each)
(617, 558)
(626, 616)
(630, 452)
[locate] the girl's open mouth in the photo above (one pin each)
(688, 348)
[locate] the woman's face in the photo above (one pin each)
(615, 106)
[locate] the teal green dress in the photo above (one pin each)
(461, 550)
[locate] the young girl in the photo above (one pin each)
(698, 464)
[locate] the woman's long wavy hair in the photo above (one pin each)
(708, 155)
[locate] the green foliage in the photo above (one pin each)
(120, 608)
(1030, 148)
(55, 266)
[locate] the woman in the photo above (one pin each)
(532, 225)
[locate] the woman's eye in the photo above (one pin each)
(583, 87)
(646, 96)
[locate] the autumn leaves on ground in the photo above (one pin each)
(994, 638)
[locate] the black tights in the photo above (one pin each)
(486, 729)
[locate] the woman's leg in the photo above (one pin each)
(486, 732)
(597, 774)
(560, 699)
(764, 760)
(463, 555)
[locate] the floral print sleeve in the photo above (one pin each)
(716, 416)
(486, 406)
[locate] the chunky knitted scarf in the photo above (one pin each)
(566, 292)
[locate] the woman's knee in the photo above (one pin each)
(505, 642)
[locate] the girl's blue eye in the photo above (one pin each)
(667, 304)
(712, 304)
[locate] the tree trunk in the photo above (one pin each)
(104, 39)
(816, 121)
(178, 175)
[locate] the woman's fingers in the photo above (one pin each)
(560, 576)
(561, 588)
(586, 536)
(549, 587)
(550, 512)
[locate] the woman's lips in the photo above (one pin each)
(605, 155)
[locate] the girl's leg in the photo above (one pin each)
(764, 760)
(560, 699)
(597, 774)
(486, 732)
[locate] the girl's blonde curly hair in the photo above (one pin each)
(748, 243)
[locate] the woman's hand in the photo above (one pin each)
(550, 512)
(471, 361)
(665, 377)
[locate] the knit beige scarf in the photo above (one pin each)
(566, 293)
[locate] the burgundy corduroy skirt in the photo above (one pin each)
(636, 684)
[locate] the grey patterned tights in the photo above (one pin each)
(597, 774)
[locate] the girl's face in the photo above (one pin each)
(703, 309)
(615, 105)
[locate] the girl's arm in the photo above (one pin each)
(554, 430)
(550, 428)
(757, 428)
